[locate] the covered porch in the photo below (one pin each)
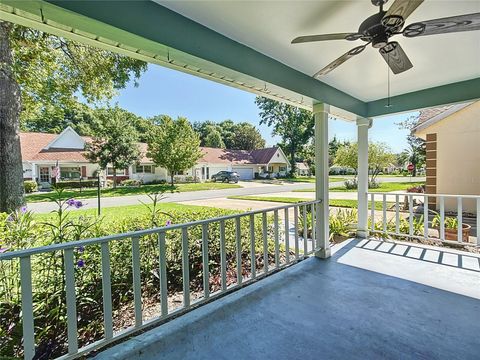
(371, 299)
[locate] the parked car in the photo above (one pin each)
(226, 176)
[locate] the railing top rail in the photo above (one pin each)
(424, 194)
(73, 244)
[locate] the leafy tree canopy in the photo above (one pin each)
(173, 144)
(294, 125)
(236, 136)
(214, 138)
(115, 140)
(53, 71)
(379, 157)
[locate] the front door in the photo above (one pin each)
(44, 174)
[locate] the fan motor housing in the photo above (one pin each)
(374, 30)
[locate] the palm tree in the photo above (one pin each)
(414, 153)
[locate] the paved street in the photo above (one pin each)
(248, 188)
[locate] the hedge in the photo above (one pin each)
(76, 184)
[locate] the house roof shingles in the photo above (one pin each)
(33, 149)
(263, 156)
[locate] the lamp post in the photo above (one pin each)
(98, 192)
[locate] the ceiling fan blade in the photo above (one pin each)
(334, 64)
(468, 22)
(311, 38)
(395, 57)
(403, 8)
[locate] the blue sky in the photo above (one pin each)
(170, 92)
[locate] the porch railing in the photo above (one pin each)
(272, 230)
(424, 216)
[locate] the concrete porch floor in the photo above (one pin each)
(370, 300)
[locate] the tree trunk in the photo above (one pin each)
(292, 161)
(171, 177)
(114, 178)
(11, 169)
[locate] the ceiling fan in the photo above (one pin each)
(378, 28)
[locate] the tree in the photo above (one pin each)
(415, 153)
(227, 130)
(213, 138)
(114, 141)
(379, 157)
(292, 124)
(39, 72)
(247, 137)
(204, 128)
(174, 145)
(227, 134)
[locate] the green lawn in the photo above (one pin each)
(290, 200)
(121, 212)
(312, 179)
(384, 187)
(128, 190)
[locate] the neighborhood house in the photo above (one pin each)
(452, 135)
(47, 157)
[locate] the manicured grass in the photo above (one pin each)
(130, 190)
(333, 202)
(384, 187)
(312, 179)
(121, 212)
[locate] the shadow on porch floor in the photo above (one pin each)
(365, 302)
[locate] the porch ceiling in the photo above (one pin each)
(247, 45)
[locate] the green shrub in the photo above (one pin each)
(156, 182)
(76, 184)
(20, 230)
(450, 222)
(30, 186)
(131, 182)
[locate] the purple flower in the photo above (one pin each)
(2, 250)
(10, 327)
(80, 263)
(10, 218)
(81, 249)
(78, 204)
(23, 209)
(71, 202)
(168, 223)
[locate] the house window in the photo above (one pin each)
(119, 171)
(144, 169)
(282, 168)
(180, 172)
(70, 173)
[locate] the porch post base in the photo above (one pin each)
(323, 253)
(362, 234)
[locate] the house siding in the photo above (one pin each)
(453, 156)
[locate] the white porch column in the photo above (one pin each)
(322, 230)
(363, 124)
(34, 171)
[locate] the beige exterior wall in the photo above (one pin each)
(458, 154)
